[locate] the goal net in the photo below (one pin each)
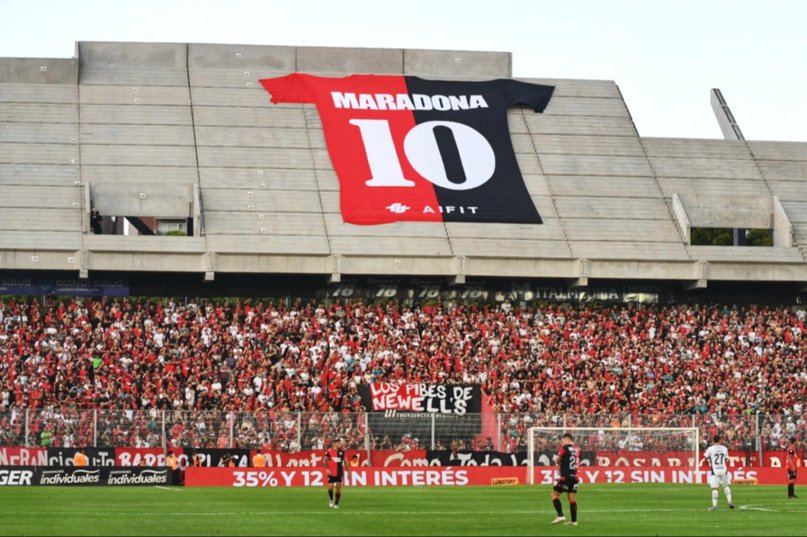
(627, 447)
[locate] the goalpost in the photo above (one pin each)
(544, 442)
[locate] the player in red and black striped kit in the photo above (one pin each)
(336, 471)
(568, 458)
(792, 464)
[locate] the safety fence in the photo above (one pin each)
(288, 431)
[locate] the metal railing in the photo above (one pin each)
(284, 430)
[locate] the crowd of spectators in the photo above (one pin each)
(271, 361)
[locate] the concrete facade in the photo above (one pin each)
(172, 129)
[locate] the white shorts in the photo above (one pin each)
(719, 480)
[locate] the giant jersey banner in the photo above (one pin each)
(409, 149)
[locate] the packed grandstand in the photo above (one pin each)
(208, 359)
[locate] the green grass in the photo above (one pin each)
(638, 509)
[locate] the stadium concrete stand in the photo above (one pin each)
(185, 131)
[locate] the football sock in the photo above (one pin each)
(727, 490)
(791, 490)
(330, 494)
(558, 506)
(338, 497)
(714, 497)
(573, 509)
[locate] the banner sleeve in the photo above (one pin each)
(287, 89)
(535, 96)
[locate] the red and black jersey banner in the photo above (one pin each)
(409, 149)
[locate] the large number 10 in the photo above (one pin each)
(420, 146)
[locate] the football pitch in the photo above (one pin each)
(635, 509)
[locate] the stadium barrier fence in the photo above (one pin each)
(294, 432)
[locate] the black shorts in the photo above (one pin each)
(566, 485)
(791, 475)
(336, 478)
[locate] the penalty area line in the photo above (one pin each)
(327, 512)
(756, 507)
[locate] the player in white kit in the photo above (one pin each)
(718, 456)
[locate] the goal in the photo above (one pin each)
(615, 446)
